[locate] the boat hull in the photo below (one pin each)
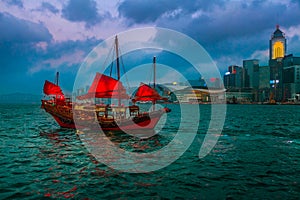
(63, 115)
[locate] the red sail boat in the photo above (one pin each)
(52, 89)
(108, 117)
(105, 87)
(57, 105)
(147, 93)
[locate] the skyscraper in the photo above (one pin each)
(277, 44)
(234, 77)
(277, 53)
(252, 70)
(291, 78)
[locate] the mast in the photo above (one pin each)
(154, 76)
(117, 54)
(56, 78)
(56, 82)
(154, 70)
(118, 69)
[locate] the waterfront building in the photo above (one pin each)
(291, 78)
(276, 76)
(291, 83)
(252, 73)
(279, 81)
(192, 95)
(277, 52)
(236, 82)
(291, 60)
(251, 68)
(200, 83)
(284, 81)
(277, 44)
(196, 91)
(241, 96)
(264, 84)
(234, 77)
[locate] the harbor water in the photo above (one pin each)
(257, 156)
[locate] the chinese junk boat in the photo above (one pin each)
(57, 105)
(108, 117)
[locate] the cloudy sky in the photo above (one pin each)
(38, 38)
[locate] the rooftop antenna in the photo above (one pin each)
(277, 19)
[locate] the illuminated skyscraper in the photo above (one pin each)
(277, 44)
(277, 53)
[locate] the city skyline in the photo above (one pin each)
(276, 82)
(41, 37)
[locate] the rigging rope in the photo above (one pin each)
(124, 71)
(106, 60)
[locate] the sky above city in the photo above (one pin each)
(39, 38)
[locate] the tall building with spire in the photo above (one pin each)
(277, 44)
(277, 54)
(279, 81)
(284, 69)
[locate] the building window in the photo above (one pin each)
(278, 50)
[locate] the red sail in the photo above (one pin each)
(105, 87)
(52, 89)
(147, 93)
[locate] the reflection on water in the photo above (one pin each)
(257, 157)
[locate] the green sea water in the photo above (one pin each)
(256, 157)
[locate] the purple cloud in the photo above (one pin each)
(50, 7)
(150, 11)
(145, 11)
(14, 29)
(18, 3)
(229, 30)
(82, 11)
